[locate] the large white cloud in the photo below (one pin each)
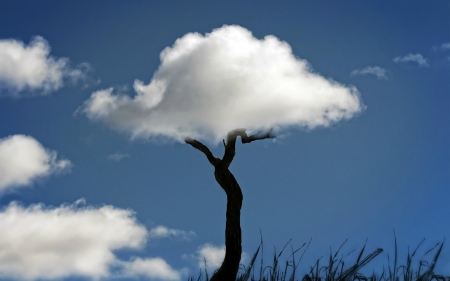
(23, 160)
(208, 85)
(39, 242)
(31, 67)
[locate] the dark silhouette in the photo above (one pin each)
(233, 247)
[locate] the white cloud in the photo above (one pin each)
(117, 156)
(164, 232)
(39, 242)
(213, 255)
(23, 160)
(417, 58)
(208, 85)
(156, 268)
(379, 72)
(44, 242)
(31, 67)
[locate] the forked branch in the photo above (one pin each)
(231, 142)
(200, 146)
(230, 145)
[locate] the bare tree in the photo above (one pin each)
(233, 247)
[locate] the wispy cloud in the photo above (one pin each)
(164, 232)
(117, 156)
(379, 72)
(417, 58)
(31, 67)
(442, 47)
(23, 160)
(445, 46)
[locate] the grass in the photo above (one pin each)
(336, 268)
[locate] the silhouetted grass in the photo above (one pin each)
(336, 268)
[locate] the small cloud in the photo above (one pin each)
(213, 255)
(23, 160)
(82, 74)
(210, 256)
(442, 47)
(117, 156)
(281, 137)
(31, 67)
(445, 46)
(164, 232)
(379, 72)
(152, 268)
(417, 58)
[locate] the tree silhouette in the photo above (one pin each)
(233, 246)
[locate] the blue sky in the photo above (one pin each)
(383, 166)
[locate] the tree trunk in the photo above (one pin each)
(233, 244)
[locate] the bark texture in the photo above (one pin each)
(233, 245)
